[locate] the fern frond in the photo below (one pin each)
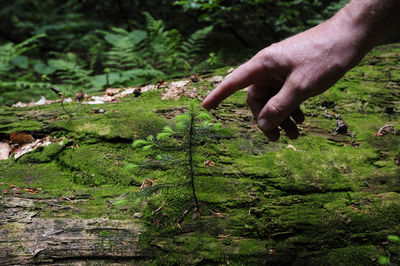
(163, 135)
(139, 143)
(148, 147)
(70, 72)
(28, 44)
(191, 47)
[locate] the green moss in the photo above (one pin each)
(43, 154)
(333, 201)
(353, 255)
(99, 164)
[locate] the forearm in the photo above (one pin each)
(371, 20)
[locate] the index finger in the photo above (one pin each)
(240, 78)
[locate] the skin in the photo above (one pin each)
(282, 76)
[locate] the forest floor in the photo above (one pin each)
(331, 197)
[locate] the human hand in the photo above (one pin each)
(283, 75)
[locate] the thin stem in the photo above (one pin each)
(191, 171)
(62, 105)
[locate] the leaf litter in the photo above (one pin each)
(21, 143)
(172, 91)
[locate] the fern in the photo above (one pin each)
(10, 51)
(70, 72)
(123, 55)
(194, 44)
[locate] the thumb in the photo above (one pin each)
(279, 107)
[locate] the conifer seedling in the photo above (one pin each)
(192, 130)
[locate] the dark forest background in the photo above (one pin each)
(89, 45)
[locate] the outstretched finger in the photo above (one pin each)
(279, 107)
(240, 78)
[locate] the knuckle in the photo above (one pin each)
(273, 109)
(301, 86)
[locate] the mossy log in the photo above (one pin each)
(332, 197)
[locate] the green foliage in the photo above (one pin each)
(382, 260)
(393, 239)
(115, 57)
(11, 55)
(191, 130)
(86, 45)
(253, 23)
(70, 72)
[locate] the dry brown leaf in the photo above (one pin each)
(386, 129)
(112, 91)
(175, 90)
(146, 183)
(17, 190)
(21, 138)
(209, 163)
(25, 148)
(217, 214)
(79, 96)
(4, 150)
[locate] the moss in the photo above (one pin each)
(333, 200)
(99, 164)
(353, 255)
(43, 154)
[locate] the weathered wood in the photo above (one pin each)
(27, 239)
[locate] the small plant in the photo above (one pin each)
(191, 131)
(393, 240)
(212, 60)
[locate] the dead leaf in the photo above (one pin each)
(271, 252)
(21, 138)
(215, 80)
(126, 92)
(80, 96)
(112, 91)
(147, 182)
(195, 215)
(17, 190)
(31, 190)
(290, 146)
(386, 129)
(217, 214)
(4, 150)
(42, 101)
(25, 148)
(209, 163)
(175, 90)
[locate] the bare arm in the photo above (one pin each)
(283, 75)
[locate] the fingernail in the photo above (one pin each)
(264, 125)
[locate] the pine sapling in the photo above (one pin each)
(192, 130)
